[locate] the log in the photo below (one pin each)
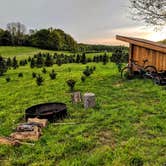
(89, 100)
(27, 135)
(76, 97)
(8, 141)
(41, 122)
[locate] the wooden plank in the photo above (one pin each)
(27, 135)
(8, 141)
(43, 122)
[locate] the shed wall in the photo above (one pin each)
(155, 58)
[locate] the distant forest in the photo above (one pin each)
(52, 39)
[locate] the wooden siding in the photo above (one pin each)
(141, 49)
(155, 58)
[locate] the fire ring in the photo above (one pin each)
(50, 111)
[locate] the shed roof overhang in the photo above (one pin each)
(143, 43)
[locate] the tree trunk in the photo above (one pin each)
(76, 97)
(89, 100)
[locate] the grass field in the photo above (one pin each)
(127, 126)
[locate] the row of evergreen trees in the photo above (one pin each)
(46, 59)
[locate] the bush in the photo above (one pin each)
(83, 78)
(136, 161)
(3, 66)
(33, 75)
(39, 80)
(20, 74)
(44, 70)
(87, 72)
(53, 75)
(71, 84)
(8, 79)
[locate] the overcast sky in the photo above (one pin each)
(88, 21)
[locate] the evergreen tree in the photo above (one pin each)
(83, 58)
(49, 60)
(53, 74)
(3, 66)
(15, 63)
(39, 61)
(9, 62)
(78, 58)
(32, 63)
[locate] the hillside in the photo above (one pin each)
(127, 126)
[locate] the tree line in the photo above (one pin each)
(51, 39)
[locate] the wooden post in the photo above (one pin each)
(89, 100)
(76, 97)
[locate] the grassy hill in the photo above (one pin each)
(127, 126)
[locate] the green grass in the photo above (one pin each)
(23, 52)
(127, 123)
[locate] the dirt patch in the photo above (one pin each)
(118, 84)
(106, 138)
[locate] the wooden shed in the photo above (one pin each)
(141, 49)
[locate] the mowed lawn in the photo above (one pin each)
(127, 127)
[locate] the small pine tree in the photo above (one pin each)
(3, 66)
(78, 58)
(39, 80)
(33, 75)
(49, 60)
(39, 61)
(71, 83)
(32, 63)
(15, 63)
(105, 59)
(20, 74)
(87, 72)
(44, 70)
(29, 59)
(9, 62)
(83, 78)
(59, 62)
(53, 75)
(83, 59)
(8, 79)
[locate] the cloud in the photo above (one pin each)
(139, 32)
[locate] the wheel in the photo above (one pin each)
(157, 80)
(150, 72)
(150, 69)
(126, 73)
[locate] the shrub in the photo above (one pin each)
(53, 75)
(83, 78)
(87, 72)
(71, 84)
(94, 68)
(15, 63)
(3, 66)
(136, 161)
(8, 79)
(39, 80)
(33, 75)
(44, 70)
(20, 74)
(32, 63)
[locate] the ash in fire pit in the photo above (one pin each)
(50, 111)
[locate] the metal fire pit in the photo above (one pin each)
(50, 111)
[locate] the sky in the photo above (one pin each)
(88, 21)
